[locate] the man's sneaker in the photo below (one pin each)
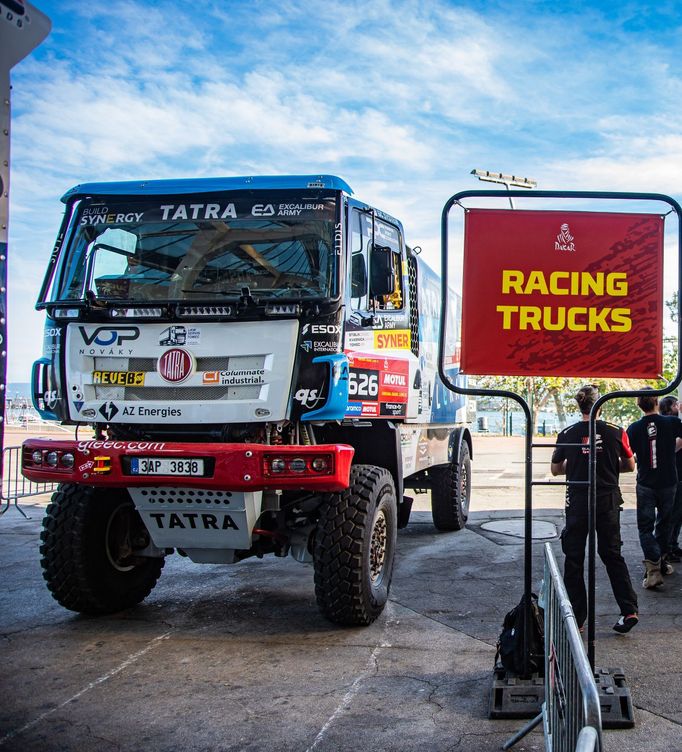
(653, 577)
(666, 568)
(626, 623)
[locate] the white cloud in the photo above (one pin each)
(400, 97)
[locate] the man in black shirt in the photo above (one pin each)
(670, 406)
(653, 439)
(613, 456)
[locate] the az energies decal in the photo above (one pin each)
(377, 387)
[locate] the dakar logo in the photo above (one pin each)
(564, 240)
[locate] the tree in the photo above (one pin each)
(536, 391)
(672, 307)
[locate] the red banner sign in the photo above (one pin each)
(551, 293)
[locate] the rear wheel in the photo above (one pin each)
(89, 540)
(355, 547)
(451, 491)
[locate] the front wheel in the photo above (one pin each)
(355, 546)
(451, 491)
(89, 540)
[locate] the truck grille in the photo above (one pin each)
(191, 393)
(203, 364)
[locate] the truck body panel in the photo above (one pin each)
(131, 373)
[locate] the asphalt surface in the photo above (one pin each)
(238, 658)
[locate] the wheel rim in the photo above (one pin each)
(463, 489)
(377, 547)
(117, 539)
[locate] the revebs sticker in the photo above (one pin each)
(379, 386)
(119, 378)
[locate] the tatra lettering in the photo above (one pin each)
(192, 520)
(197, 211)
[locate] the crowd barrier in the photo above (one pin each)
(571, 698)
(14, 486)
(571, 712)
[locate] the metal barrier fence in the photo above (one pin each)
(572, 714)
(14, 486)
(588, 740)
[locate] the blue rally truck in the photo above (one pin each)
(258, 360)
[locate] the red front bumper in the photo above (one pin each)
(235, 467)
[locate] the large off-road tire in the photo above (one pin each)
(87, 550)
(355, 546)
(451, 491)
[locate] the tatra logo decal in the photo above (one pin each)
(175, 365)
(106, 335)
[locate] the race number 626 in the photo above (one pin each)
(363, 383)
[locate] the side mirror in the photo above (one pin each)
(382, 280)
(358, 276)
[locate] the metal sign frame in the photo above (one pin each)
(592, 477)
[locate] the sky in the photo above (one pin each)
(400, 98)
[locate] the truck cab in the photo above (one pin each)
(257, 358)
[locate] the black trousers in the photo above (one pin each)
(573, 540)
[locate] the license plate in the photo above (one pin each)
(166, 466)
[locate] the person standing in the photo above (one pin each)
(653, 440)
(670, 406)
(571, 457)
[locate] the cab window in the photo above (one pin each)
(375, 270)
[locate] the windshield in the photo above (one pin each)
(193, 248)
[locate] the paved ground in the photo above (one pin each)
(237, 658)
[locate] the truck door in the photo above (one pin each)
(377, 332)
